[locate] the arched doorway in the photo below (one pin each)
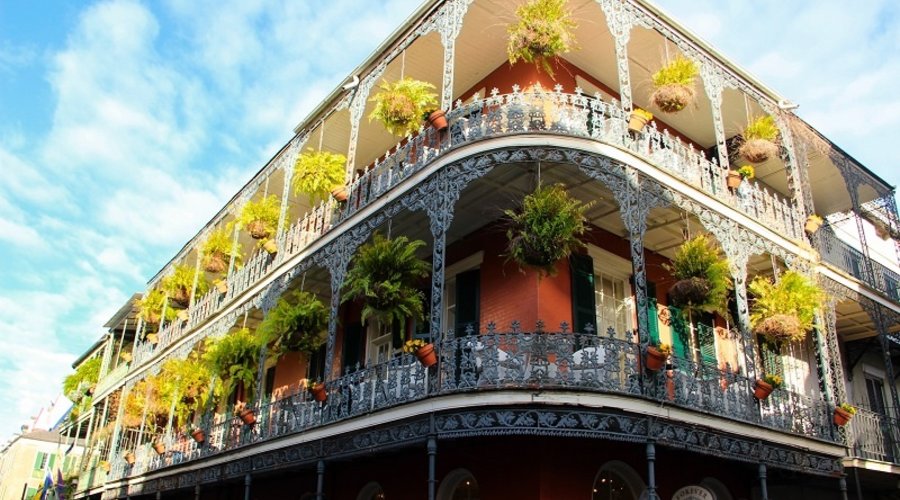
(616, 480)
(459, 484)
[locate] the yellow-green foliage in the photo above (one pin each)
(85, 377)
(234, 358)
(747, 172)
(219, 242)
(399, 106)
(298, 322)
(700, 257)
(681, 71)
(151, 306)
(265, 210)
(792, 295)
(181, 281)
(545, 229)
(643, 113)
(143, 404)
(544, 30)
(761, 128)
(385, 276)
(316, 173)
(186, 382)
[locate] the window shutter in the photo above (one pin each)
(468, 300)
(52, 461)
(652, 312)
(584, 305)
(681, 334)
(352, 343)
(706, 338)
(39, 461)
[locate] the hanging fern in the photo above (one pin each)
(317, 173)
(399, 106)
(75, 385)
(703, 276)
(186, 382)
(260, 218)
(179, 284)
(543, 32)
(234, 358)
(784, 309)
(298, 324)
(217, 251)
(151, 305)
(385, 275)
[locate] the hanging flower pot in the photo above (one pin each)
(674, 85)
(260, 218)
(784, 310)
(248, 416)
(340, 193)
(218, 250)
(400, 105)
(437, 119)
(159, 447)
(843, 414)
(318, 392)
(760, 138)
(130, 458)
(656, 356)
(639, 119)
(199, 435)
(543, 31)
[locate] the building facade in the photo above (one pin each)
(28, 458)
(541, 387)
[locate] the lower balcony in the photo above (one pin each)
(561, 364)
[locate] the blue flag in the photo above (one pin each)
(60, 486)
(48, 486)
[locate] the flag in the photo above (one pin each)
(69, 449)
(60, 486)
(48, 486)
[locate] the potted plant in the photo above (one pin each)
(198, 435)
(320, 173)
(221, 285)
(843, 414)
(126, 356)
(545, 229)
(179, 284)
(318, 391)
(245, 413)
(784, 310)
(702, 274)
(217, 251)
(184, 387)
(399, 106)
(151, 306)
(760, 138)
(735, 177)
(385, 276)
(813, 223)
(674, 85)
(764, 386)
(269, 245)
(657, 356)
(105, 465)
(639, 119)
(436, 118)
(260, 218)
(543, 31)
(159, 447)
(80, 383)
(297, 323)
(234, 359)
(424, 351)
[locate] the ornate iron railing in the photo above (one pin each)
(837, 252)
(874, 436)
(608, 364)
(499, 115)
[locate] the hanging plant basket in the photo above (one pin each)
(762, 389)
(674, 85)
(199, 435)
(216, 263)
(217, 251)
(760, 138)
(543, 31)
(400, 105)
(257, 230)
(781, 327)
(690, 291)
(130, 458)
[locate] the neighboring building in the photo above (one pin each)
(28, 458)
(519, 406)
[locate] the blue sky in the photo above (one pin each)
(125, 125)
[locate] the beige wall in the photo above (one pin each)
(17, 465)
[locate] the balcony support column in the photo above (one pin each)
(320, 480)
(620, 21)
(432, 459)
(248, 480)
(197, 492)
(886, 355)
(801, 197)
(763, 487)
(651, 470)
(286, 164)
(713, 83)
(831, 354)
(842, 486)
(449, 21)
(336, 257)
(440, 210)
(635, 205)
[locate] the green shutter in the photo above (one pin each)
(681, 334)
(652, 314)
(52, 461)
(468, 299)
(706, 339)
(584, 305)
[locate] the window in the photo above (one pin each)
(462, 295)
(617, 481)
(875, 393)
(371, 491)
(613, 302)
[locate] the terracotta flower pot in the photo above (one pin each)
(426, 355)
(841, 416)
(340, 193)
(159, 447)
(247, 416)
(199, 435)
(812, 225)
(438, 120)
(734, 179)
(130, 458)
(655, 360)
(637, 122)
(153, 338)
(222, 286)
(762, 389)
(183, 315)
(319, 393)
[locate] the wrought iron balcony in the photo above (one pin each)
(874, 436)
(112, 378)
(837, 252)
(498, 115)
(534, 361)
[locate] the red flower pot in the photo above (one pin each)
(438, 120)
(159, 447)
(319, 393)
(761, 389)
(841, 416)
(655, 360)
(426, 355)
(247, 416)
(199, 435)
(129, 457)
